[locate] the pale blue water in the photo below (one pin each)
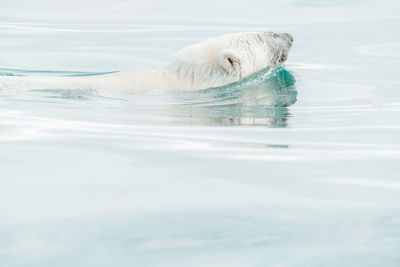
(292, 167)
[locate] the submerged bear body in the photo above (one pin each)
(214, 62)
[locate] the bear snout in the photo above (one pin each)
(287, 36)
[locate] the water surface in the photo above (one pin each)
(294, 166)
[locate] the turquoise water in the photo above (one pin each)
(294, 166)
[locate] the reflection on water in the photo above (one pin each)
(261, 99)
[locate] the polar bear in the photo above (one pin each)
(212, 63)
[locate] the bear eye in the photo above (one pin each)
(230, 61)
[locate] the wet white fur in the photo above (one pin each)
(211, 63)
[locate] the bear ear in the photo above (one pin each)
(229, 61)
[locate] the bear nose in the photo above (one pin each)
(288, 37)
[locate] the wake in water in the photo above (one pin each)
(260, 99)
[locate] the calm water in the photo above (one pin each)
(291, 167)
